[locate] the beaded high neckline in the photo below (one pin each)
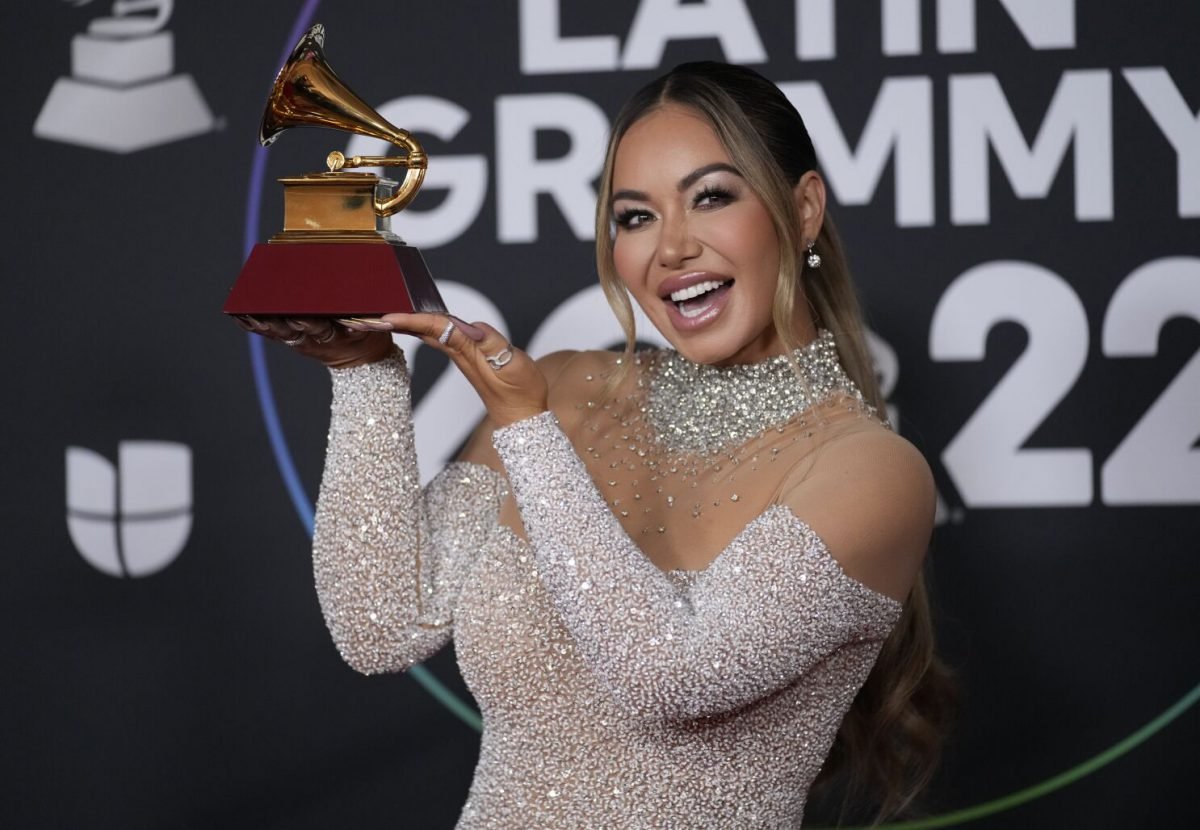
(704, 410)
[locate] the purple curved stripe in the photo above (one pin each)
(258, 361)
(266, 397)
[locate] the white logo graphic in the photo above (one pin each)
(132, 520)
(121, 96)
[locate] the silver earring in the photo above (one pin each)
(814, 259)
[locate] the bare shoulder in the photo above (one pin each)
(568, 368)
(869, 494)
(576, 378)
(553, 364)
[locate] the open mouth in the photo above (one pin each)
(696, 299)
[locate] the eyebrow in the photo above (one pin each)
(684, 183)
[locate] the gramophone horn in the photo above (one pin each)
(308, 93)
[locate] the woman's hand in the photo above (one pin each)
(323, 339)
(510, 384)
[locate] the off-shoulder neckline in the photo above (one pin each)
(820, 548)
(692, 575)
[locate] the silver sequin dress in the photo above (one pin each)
(613, 695)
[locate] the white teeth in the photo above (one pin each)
(695, 290)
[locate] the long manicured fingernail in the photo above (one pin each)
(469, 330)
(255, 323)
(367, 323)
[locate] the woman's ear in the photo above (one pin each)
(809, 194)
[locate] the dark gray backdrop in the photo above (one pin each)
(206, 693)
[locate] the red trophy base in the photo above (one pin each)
(332, 279)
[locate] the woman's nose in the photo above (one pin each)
(676, 244)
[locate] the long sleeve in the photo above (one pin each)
(772, 605)
(389, 559)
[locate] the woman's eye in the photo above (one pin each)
(632, 217)
(711, 197)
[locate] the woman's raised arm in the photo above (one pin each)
(771, 607)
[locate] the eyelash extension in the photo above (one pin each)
(624, 219)
(721, 195)
(715, 192)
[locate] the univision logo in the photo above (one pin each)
(134, 519)
(121, 96)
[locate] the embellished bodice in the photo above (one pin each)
(613, 694)
(565, 746)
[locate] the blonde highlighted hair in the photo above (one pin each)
(889, 743)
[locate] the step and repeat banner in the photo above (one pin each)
(1018, 185)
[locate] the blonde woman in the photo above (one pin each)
(668, 574)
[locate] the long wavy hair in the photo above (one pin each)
(888, 746)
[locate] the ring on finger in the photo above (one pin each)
(295, 342)
(321, 341)
(499, 360)
(444, 337)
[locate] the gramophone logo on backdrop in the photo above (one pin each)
(133, 519)
(121, 95)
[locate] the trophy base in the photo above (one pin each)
(332, 279)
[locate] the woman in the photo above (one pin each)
(667, 573)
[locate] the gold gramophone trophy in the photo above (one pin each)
(337, 255)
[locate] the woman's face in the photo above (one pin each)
(694, 245)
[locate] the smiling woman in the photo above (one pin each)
(668, 574)
(694, 244)
(746, 191)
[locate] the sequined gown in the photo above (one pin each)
(613, 694)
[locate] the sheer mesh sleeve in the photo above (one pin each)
(770, 607)
(389, 559)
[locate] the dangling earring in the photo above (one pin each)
(814, 259)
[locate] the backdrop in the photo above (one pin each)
(1018, 184)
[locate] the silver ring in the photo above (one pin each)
(499, 360)
(295, 342)
(444, 337)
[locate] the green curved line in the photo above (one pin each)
(1057, 782)
(446, 697)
